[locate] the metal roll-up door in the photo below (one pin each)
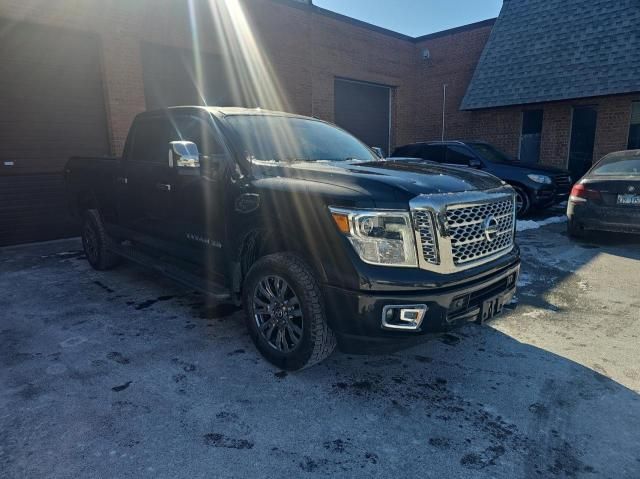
(364, 110)
(51, 107)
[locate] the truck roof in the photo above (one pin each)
(222, 111)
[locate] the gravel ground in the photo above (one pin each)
(124, 374)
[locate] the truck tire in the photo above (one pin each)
(95, 242)
(285, 314)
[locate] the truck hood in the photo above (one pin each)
(386, 181)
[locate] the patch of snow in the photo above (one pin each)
(524, 279)
(533, 225)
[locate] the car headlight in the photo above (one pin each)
(545, 180)
(378, 236)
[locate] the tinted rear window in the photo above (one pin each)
(426, 152)
(618, 166)
(402, 151)
(491, 153)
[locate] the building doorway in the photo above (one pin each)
(583, 134)
(363, 109)
(531, 136)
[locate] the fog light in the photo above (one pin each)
(459, 304)
(404, 317)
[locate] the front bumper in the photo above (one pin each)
(356, 316)
(547, 196)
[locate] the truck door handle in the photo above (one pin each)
(163, 186)
(122, 180)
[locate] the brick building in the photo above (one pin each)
(559, 81)
(73, 74)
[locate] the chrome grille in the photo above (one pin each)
(424, 224)
(450, 229)
(469, 239)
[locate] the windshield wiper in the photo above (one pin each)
(349, 159)
(359, 160)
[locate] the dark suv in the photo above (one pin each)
(536, 186)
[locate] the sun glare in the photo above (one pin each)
(249, 71)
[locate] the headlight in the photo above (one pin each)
(379, 237)
(545, 180)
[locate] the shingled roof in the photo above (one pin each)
(546, 50)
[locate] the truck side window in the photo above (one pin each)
(432, 153)
(458, 155)
(151, 139)
(201, 133)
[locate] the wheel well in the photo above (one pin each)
(519, 185)
(256, 244)
(260, 243)
(86, 200)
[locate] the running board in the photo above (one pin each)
(215, 291)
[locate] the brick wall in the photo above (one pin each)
(296, 54)
(454, 56)
(614, 117)
(453, 60)
(502, 127)
(344, 50)
(301, 51)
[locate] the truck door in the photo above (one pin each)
(197, 222)
(144, 199)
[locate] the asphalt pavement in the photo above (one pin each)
(124, 374)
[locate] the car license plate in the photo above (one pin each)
(492, 307)
(629, 200)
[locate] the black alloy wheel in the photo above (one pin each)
(278, 313)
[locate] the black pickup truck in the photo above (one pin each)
(318, 238)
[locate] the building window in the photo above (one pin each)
(634, 128)
(530, 136)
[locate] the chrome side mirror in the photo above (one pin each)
(473, 163)
(378, 151)
(183, 154)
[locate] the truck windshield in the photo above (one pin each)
(491, 153)
(279, 138)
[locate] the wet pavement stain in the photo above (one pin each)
(151, 302)
(450, 339)
(217, 311)
(335, 446)
(122, 387)
(220, 440)
(104, 286)
(117, 357)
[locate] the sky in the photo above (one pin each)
(415, 17)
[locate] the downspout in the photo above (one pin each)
(444, 105)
